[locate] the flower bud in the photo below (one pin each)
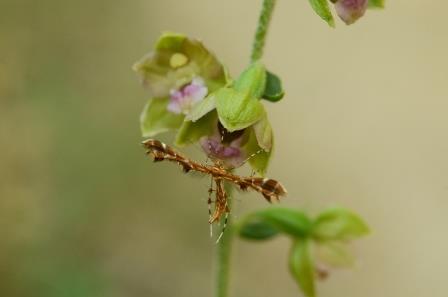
(351, 10)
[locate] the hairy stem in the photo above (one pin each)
(223, 252)
(262, 29)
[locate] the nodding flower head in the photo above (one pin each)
(178, 74)
(182, 100)
(351, 10)
(226, 146)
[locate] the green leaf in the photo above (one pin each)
(322, 9)
(339, 224)
(190, 132)
(201, 108)
(302, 267)
(237, 110)
(335, 254)
(257, 230)
(288, 221)
(376, 3)
(273, 91)
(156, 119)
(252, 81)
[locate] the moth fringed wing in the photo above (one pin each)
(271, 189)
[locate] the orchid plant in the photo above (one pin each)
(192, 93)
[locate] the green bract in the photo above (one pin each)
(237, 110)
(273, 90)
(320, 240)
(175, 62)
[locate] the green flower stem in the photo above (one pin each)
(262, 29)
(224, 248)
(223, 252)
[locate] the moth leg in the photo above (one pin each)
(219, 201)
(226, 219)
(209, 203)
(252, 173)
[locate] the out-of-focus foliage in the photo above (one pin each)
(327, 234)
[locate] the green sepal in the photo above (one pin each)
(288, 221)
(161, 74)
(257, 230)
(334, 254)
(339, 224)
(170, 41)
(201, 108)
(376, 3)
(190, 132)
(156, 119)
(260, 157)
(302, 268)
(273, 90)
(322, 9)
(237, 110)
(252, 80)
(264, 133)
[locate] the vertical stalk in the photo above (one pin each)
(224, 248)
(262, 29)
(223, 252)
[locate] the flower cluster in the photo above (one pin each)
(191, 93)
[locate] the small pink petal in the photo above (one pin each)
(186, 97)
(174, 107)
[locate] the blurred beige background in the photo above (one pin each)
(363, 125)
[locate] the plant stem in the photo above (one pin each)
(262, 29)
(223, 252)
(224, 248)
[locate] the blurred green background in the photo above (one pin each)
(364, 125)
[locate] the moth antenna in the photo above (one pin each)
(242, 187)
(253, 155)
